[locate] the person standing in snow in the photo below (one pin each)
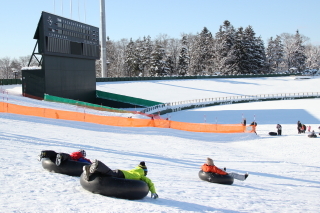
(138, 173)
(210, 167)
(244, 122)
(299, 127)
(279, 128)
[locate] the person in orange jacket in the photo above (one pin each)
(210, 167)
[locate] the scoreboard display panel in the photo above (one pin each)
(65, 37)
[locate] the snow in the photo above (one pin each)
(284, 171)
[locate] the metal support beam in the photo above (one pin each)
(34, 55)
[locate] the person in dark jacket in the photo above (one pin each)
(279, 128)
(244, 122)
(210, 167)
(138, 173)
(299, 127)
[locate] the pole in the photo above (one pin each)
(71, 8)
(103, 57)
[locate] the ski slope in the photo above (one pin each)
(283, 171)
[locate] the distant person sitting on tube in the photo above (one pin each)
(210, 167)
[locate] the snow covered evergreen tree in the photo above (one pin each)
(203, 53)
(223, 52)
(158, 58)
(130, 58)
(239, 53)
(184, 58)
(145, 55)
(298, 56)
(169, 66)
(274, 54)
(260, 56)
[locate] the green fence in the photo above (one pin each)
(10, 81)
(19, 81)
(126, 99)
(186, 77)
(81, 103)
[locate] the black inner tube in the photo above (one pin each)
(115, 187)
(216, 178)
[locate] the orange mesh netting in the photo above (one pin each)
(122, 121)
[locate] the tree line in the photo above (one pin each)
(230, 51)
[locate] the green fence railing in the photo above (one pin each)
(81, 103)
(206, 102)
(126, 99)
(10, 81)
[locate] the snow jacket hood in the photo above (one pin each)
(138, 174)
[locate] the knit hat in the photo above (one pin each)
(210, 162)
(83, 152)
(143, 166)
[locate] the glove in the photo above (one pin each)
(154, 195)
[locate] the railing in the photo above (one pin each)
(205, 102)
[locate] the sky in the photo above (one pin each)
(135, 19)
(283, 170)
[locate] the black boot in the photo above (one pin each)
(98, 166)
(47, 154)
(62, 157)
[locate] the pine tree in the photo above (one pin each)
(169, 66)
(184, 58)
(298, 57)
(260, 56)
(158, 58)
(130, 58)
(203, 53)
(224, 57)
(239, 52)
(274, 54)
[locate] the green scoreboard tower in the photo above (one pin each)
(68, 50)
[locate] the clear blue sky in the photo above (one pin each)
(138, 18)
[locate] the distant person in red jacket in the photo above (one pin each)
(80, 156)
(210, 167)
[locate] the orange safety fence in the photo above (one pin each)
(123, 121)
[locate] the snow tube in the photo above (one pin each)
(273, 133)
(67, 167)
(216, 178)
(312, 136)
(115, 187)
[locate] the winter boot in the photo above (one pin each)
(86, 172)
(94, 166)
(246, 175)
(47, 154)
(62, 157)
(98, 166)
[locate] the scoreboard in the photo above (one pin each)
(60, 36)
